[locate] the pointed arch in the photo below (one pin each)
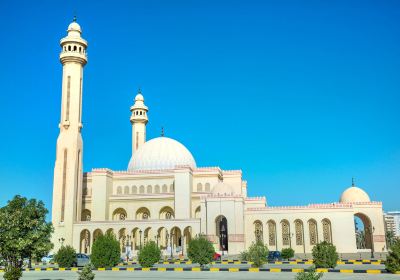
(271, 233)
(313, 231)
(285, 232)
(86, 215)
(166, 213)
(143, 213)
(119, 214)
(299, 229)
(258, 230)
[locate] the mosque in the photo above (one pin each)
(165, 197)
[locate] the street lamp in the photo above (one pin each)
(140, 239)
(372, 243)
(61, 240)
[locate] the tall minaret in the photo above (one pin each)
(138, 120)
(67, 188)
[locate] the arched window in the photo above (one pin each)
(157, 189)
(164, 188)
(141, 189)
(271, 233)
(126, 190)
(80, 49)
(86, 215)
(199, 187)
(119, 214)
(85, 242)
(166, 213)
(326, 230)
(142, 213)
(258, 231)
(207, 187)
(69, 48)
(149, 189)
(197, 213)
(312, 226)
(85, 191)
(221, 230)
(299, 232)
(285, 233)
(119, 190)
(134, 190)
(75, 48)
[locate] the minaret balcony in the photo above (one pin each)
(73, 56)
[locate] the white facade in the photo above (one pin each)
(392, 222)
(164, 196)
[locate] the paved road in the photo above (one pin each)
(68, 275)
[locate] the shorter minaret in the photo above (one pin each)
(138, 120)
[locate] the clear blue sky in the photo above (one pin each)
(300, 95)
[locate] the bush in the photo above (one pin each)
(258, 254)
(200, 251)
(325, 255)
(86, 273)
(105, 251)
(65, 257)
(393, 259)
(244, 256)
(287, 253)
(309, 274)
(149, 255)
(12, 273)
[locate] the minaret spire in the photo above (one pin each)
(138, 120)
(352, 182)
(162, 131)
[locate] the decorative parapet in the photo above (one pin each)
(335, 205)
(256, 198)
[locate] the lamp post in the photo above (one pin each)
(372, 242)
(61, 240)
(140, 239)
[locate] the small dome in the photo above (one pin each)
(161, 153)
(74, 26)
(139, 97)
(222, 189)
(354, 194)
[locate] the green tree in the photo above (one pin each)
(66, 256)
(149, 254)
(86, 273)
(390, 238)
(200, 251)
(105, 251)
(325, 255)
(393, 259)
(258, 254)
(24, 233)
(287, 253)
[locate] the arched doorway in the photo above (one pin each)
(162, 238)
(363, 231)
(176, 236)
(258, 231)
(221, 230)
(187, 236)
(85, 242)
(96, 234)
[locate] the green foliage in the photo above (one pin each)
(287, 253)
(105, 251)
(200, 251)
(390, 238)
(393, 259)
(12, 272)
(149, 255)
(244, 256)
(258, 254)
(24, 232)
(66, 256)
(86, 273)
(309, 274)
(325, 255)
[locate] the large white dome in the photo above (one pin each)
(161, 153)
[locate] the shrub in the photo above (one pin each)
(105, 251)
(309, 274)
(325, 255)
(393, 259)
(86, 273)
(244, 256)
(287, 253)
(12, 272)
(149, 255)
(258, 254)
(200, 251)
(66, 256)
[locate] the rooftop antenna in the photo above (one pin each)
(139, 90)
(162, 131)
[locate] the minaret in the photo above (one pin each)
(138, 120)
(67, 187)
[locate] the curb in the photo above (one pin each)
(214, 269)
